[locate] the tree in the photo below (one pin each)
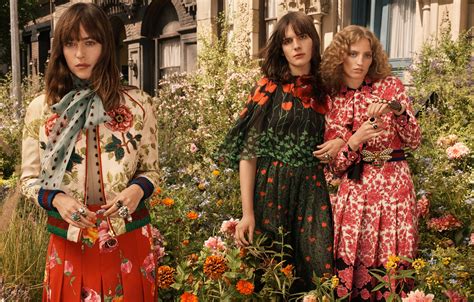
(26, 12)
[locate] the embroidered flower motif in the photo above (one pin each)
(126, 266)
(286, 105)
(49, 124)
(121, 119)
(89, 295)
(106, 242)
(423, 206)
(54, 258)
(264, 89)
(148, 267)
(89, 236)
(68, 268)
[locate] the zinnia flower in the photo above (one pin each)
(457, 151)
(192, 215)
(244, 287)
(444, 223)
(215, 266)
(164, 276)
(216, 172)
(418, 296)
(228, 227)
(454, 296)
(168, 202)
(188, 297)
(215, 244)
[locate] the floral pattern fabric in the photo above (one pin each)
(374, 217)
(280, 125)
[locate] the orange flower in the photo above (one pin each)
(288, 270)
(154, 202)
(164, 276)
(244, 287)
(192, 215)
(189, 297)
(286, 105)
(185, 242)
(157, 191)
(168, 202)
(214, 266)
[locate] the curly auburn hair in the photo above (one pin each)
(333, 57)
(275, 66)
(105, 78)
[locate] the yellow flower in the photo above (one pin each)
(168, 202)
(446, 260)
(202, 186)
(219, 202)
(334, 281)
(216, 172)
(390, 265)
(393, 258)
(418, 264)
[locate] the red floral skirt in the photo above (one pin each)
(104, 269)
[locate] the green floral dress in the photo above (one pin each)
(281, 125)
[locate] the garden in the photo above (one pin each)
(197, 205)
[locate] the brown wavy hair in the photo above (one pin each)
(333, 57)
(105, 77)
(275, 66)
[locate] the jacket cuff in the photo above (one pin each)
(45, 198)
(146, 185)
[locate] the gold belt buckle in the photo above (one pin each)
(377, 158)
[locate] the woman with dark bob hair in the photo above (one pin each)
(375, 219)
(89, 158)
(282, 184)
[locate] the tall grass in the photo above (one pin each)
(22, 254)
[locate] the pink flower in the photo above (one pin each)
(89, 295)
(53, 258)
(418, 296)
(455, 296)
(215, 244)
(49, 124)
(446, 141)
(121, 119)
(68, 268)
(423, 206)
(148, 267)
(457, 151)
(444, 223)
(365, 294)
(126, 266)
(309, 298)
(107, 243)
(193, 148)
(471, 242)
(228, 227)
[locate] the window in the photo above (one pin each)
(268, 20)
(170, 56)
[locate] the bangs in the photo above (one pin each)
(300, 26)
(70, 30)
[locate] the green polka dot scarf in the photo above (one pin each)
(80, 109)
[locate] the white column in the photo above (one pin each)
(459, 17)
(434, 15)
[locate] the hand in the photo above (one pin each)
(366, 131)
(67, 206)
(328, 150)
(130, 198)
(245, 226)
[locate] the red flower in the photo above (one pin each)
(50, 122)
(286, 105)
(122, 119)
(188, 297)
(244, 287)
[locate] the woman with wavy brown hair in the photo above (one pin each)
(89, 159)
(375, 218)
(282, 184)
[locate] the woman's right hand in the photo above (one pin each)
(246, 226)
(67, 205)
(366, 131)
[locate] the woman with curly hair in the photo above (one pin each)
(375, 210)
(282, 184)
(89, 158)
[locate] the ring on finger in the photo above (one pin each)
(375, 126)
(372, 120)
(119, 204)
(76, 216)
(123, 212)
(327, 156)
(82, 211)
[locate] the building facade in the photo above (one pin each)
(155, 38)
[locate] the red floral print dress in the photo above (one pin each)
(374, 216)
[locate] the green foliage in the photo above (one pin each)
(26, 11)
(442, 166)
(11, 127)
(22, 254)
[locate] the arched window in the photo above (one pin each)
(169, 50)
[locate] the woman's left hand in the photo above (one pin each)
(328, 150)
(130, 198)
